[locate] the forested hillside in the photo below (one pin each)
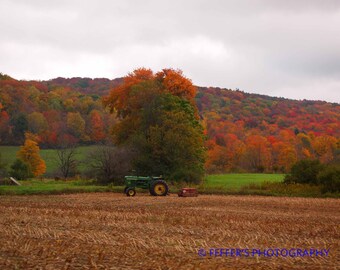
(245, 132)
(255, 132)
(58, 114)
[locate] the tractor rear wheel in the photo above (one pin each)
(130, 192)
(159, 188)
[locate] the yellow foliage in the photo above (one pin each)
(324, 146)
(29, 153)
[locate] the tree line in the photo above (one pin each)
(158, 132)
(243, 132)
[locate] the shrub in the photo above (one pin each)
(20, 170)
(330, 179)
(304, 172)
(109, 164)
(187, 176)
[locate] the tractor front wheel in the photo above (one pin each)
(159, 188)
(130, 192)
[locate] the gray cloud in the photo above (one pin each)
(282, 48)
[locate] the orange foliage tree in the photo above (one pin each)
(29, 153)
(257, 155)
(284, 156)
(97, 132)
(159, 121)
(168, 80)
(118, 100)
(175, 82)
(324, 147)
(225, 156)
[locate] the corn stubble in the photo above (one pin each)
(111, 231)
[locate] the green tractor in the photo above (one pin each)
(156, 185)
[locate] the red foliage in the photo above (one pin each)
(298, 129)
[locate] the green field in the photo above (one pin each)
(245, 183)
(48, 186)
(249, 185)
(222, 184)
(229, 181)
(8, 154)
(236, 181)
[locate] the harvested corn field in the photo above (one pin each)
(112, 231)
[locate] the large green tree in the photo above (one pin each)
(159, 120)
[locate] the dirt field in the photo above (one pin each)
(112, 231)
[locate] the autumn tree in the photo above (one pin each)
(4, 126)
(37, 122)
(217, 161)
(176, 84)
(257, 154)
(283, 156)
(20, 126)
(29, 154)
(97, 131)
(303, 145)
(118, 99)
(159, 120)
(324, 147)
(70, 110)
(76, 124)
(170, 142)
(235, 149)
(224, 156)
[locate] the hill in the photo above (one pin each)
(257, 132)
(245, 132)
(97, 86)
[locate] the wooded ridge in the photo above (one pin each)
(244, 131)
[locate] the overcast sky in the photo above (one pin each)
(288, 48)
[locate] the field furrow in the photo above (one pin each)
(112, 231)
